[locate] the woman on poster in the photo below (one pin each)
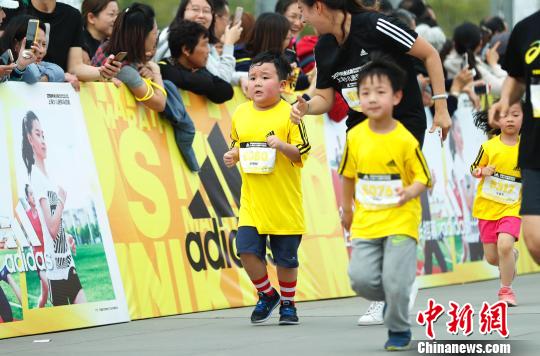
(65, 286)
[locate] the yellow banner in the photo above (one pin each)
(174, 230)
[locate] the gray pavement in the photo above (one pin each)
(327, 328)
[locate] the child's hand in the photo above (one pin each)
(274, 142)
(231, 157)
(488, 171)
(405, 194)
(346, 218)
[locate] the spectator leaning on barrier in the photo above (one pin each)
(6, 69)
(135, 32)
(202, 12)
(188, 42)
(65, 40)
(29, 65)
(98, 20)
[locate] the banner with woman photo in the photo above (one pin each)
(56, 251)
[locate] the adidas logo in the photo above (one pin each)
(392, 163)
(363, 53)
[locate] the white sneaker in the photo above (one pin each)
(374, 315)
(412, 296)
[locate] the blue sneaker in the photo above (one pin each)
(265, 306)
(287, 312)
(398, 341)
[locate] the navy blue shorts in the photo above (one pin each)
(284, 247)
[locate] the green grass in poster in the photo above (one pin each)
(93, 272)
(16, 308)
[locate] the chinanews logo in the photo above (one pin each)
(222, 237)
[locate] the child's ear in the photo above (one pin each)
(282, 85)
(397, 96)
(185, 51)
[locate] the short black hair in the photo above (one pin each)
(283, 67)
(186, 34)
(383, 66)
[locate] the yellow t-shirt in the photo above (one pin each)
(502, 194)
(379, 163)
(271, 202)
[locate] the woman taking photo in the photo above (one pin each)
(349, 33)
(135, 32)
(203, 12)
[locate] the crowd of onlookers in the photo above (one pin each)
(208, 50)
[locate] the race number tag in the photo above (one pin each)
(257, 158)
(378, 191)
(502, 188)
(351, 97)
(535, 100)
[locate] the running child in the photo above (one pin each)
(498, 198)
(384, 172)
(271, 150)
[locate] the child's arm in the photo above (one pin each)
(480, 167)
(231, 157)
(347, 196)
(417, 165)
(410, 192)
(290, 151)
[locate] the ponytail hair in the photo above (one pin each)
(27, 151)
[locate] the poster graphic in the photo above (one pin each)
(53, 219)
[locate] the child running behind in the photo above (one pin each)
(498, 198)
(271, 151)
(384, 172)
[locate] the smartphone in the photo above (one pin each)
(238, 14)
(31, 33)
(481, 89)
(120, 56)
(6, 57)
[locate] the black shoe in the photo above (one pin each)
(287, 312)
(265, 306)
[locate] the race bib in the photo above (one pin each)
(257, 158)
(351, 97)
(378, 191)
(535, 100)
(502, 188)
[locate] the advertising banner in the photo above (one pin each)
(57, 260)
(174, 230)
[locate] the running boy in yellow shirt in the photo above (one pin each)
(384, 172)
(271, 150)
(498, 198)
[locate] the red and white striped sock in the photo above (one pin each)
(288, 290)
(263, 285)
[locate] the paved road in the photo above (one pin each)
(327, 328)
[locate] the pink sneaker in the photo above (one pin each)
(506, 294)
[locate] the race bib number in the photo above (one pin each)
(351, 97)
(535, 100)
(378, 191)
(257, 158)
(502, 188)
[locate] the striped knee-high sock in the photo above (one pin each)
(288, 290)
(263, 285)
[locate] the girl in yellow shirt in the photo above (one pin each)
(498, 198)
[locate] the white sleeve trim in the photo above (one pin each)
(395, 32)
